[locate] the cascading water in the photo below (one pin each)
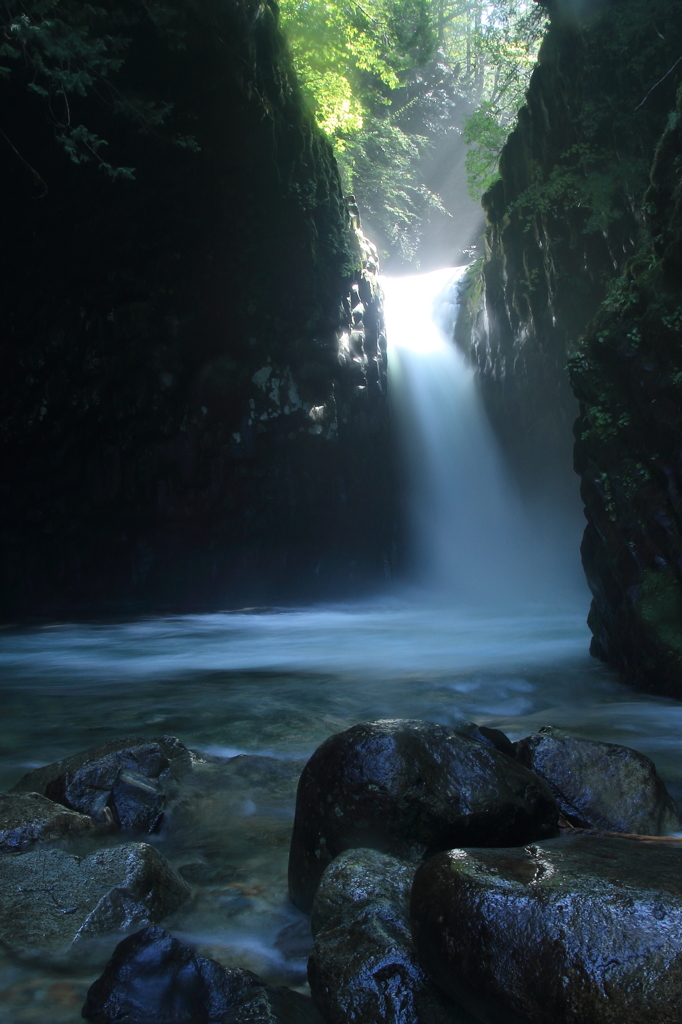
(277, 682)
(470, 538)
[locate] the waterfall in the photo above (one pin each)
(470, 540)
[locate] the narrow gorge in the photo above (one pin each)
(340, 659)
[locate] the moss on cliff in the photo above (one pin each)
(566, 214)
(627, 374)
(582, 241)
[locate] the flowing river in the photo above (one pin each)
(491, 630)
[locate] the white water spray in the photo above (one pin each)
(470, 537)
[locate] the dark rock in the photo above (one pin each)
(130, 777)
(52, 901)
(410, 788)
(627, 373)
(601, 785)
(581, 929)
(492, 737)
(26, 818)
(147, 461)
(363, 966)
(358, 877)
(154, 979)
(547, 266)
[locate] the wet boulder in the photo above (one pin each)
(581, 929)
(152, 978)
(51, 901)
(363, 967)
(28, 818)
(410, 788)
(127, 781)
(600, 785)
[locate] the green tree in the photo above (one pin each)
(66, 50)
(386, 78)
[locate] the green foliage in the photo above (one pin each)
(380, 162)
(66, 50)
(386, 78)
(336, 46)
(660, 607)
(486, 130)
(584, 178)
(627, 57)
(505, 42)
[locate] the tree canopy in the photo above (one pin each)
(387, 78)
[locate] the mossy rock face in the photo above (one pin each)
(144, 465)
(628, 377)
(582, 269)
(564, 217)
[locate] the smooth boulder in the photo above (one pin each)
(127, 781)
(601, 785)
(52, 901)
(363, 967)
(577, 930)
(152, 978)
(410, 788)
(28, 818)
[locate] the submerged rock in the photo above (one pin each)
(128, 779)
(410, 788)
(581, 929)
(51, 901)
(223, 809)
(363, 968)
(152, 978)
(26, 818)
(601, 785)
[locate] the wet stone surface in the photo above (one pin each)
(152, 978)
(126, 782)
(55, 905)
(410, 788)
(364, 968)
(581, 929)
(601, 785)
(226, 831)
(28, 818)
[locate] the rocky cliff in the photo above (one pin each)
(564, 215)
(193, 363)
(628, 376)
(567, 215)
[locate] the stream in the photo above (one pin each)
(484, 633)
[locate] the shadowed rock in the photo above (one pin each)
(152, 978)
(363, 966)
(51, 901)
(128, 778)
(26, 818)
(410, 788)
(601, 785)
(580, 929)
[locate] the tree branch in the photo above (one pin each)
(36, 177)
(678, 61)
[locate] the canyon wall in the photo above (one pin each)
(566, 215)
(193, 380)
(627, 373)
